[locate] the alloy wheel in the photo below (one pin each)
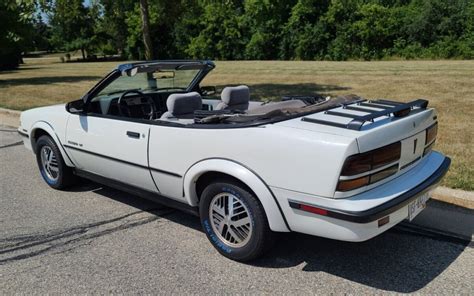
(230, 220)
(50, 163)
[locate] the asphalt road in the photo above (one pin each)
(92, 239)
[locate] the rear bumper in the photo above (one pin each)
(389, 207)
(355, 218)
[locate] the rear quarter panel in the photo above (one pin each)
(283, 157)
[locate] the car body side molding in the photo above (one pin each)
(123, 161)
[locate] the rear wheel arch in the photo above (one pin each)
(206, 171)
(211, 176)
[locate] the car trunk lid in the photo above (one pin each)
(375, 124)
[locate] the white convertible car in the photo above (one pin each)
(343, 168)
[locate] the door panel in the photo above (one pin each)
(112, 148)
(169, 179)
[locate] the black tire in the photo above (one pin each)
(65, 175)
(260, 238)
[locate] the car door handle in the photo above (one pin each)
(133, 135)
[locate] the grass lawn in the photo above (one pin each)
(449, 85)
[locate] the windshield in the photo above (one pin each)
(152, 81)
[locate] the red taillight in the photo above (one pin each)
(430, 138)
(366, 162)
(431, 133)
(357, 164)
(386, 155)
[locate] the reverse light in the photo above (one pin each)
(384, 173)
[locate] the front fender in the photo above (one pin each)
(276, 220)
(43, 125)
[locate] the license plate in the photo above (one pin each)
(418, 205)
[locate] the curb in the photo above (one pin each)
(456, 197)
(447, 220)
(10, 112)
(10, 117)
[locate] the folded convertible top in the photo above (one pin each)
(280, 109)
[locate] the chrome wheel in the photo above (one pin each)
(230, 220)
(49, 163)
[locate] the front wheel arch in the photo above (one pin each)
(219, 166)
(41, 128)
(35, 135)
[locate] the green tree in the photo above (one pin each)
(304, 38)
(186, 26)
(16, 31)
(263, 29)
(73, 25)
(113, 25)
(146, 29)
(264, 21)
(40, 40)
(164, 18)
(375, 30)
(221, 35)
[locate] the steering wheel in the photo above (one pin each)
(121, 104)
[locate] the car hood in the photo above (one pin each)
(59, 108)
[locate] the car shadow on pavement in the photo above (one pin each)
(397, 260)
(145, 205)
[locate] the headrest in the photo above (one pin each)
(179, 104)
(235, 95)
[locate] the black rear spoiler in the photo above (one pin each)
(389, 108)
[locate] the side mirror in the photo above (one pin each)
(75, 107)
(208, 90)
